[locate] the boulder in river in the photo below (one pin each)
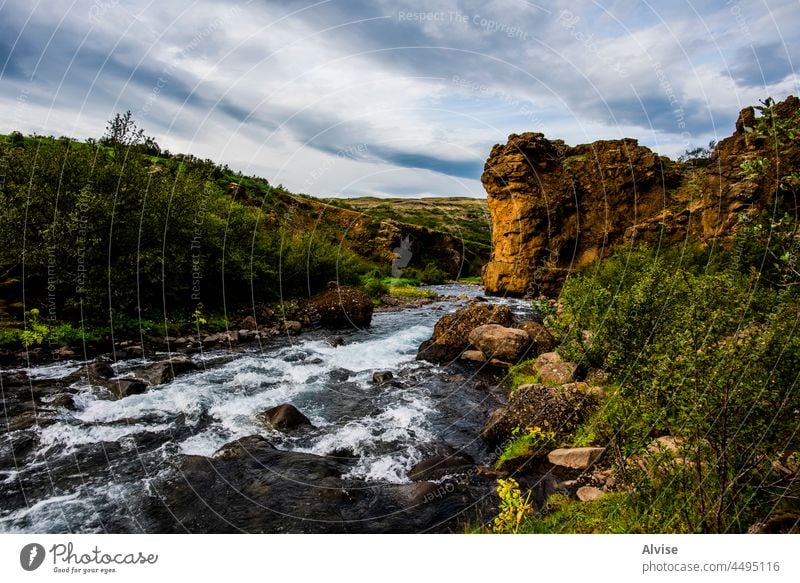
(383, 376)
(249, 486)
(124, 387)
(340, 307)
(165, 371)
(284, 418)
(451, 333)
(500, 342)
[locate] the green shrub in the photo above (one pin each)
(703, 353)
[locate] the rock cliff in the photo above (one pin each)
(556, 208)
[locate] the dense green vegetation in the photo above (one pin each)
(116, 230)
(702, 346)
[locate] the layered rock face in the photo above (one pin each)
(556, 208)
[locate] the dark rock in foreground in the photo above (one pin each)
(249, 486)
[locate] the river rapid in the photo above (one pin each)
(121, 465)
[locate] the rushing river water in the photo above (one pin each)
(91, 470)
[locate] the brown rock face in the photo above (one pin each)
(556, 208)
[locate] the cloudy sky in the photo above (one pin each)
(401, 98)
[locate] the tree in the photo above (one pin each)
(122, 131)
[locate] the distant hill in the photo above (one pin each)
(467, 219)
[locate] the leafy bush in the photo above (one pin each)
(703, 353)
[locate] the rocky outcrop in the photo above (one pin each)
(250, 486)
(559, 409)
(451, 333)
(340, 307)
(556, 208)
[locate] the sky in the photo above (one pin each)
(401, 98)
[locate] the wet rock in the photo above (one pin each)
(335, 341)
(258, 489)
(93, 372)
(340, 307)
(561, 409)
(165, 371)
(340, 374)
(410, 495)
(380, 377)
(249, 323)
(14, 447)
(541, 339)
(243, 447)
(439, 466)
(65, 400)
(589, 493)
(15, 379)
(30, 419)
(577, 458)
(283, 418)
(124, 387)
(451, 333)
(292, 327)
(500, 342)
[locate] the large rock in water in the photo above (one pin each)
(555, 208)
(165, 371)
(560, 409)
(284, 417)
(451, 333)
(496, 341)
(341, 307)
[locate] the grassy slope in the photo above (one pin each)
(465, 218)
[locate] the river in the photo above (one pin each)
(97, 468)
